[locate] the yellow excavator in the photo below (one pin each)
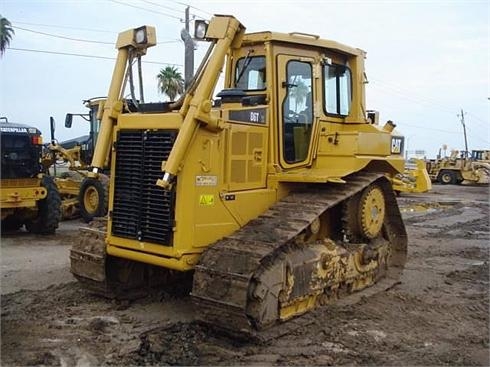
(275, 194)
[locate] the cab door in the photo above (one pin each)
(295, 109)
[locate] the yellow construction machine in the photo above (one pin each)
(472, 167)
(415, 179)
(70, 160)
(276, 195)
(27, 195)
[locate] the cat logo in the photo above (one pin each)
(396, 145)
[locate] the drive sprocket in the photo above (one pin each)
(364, 214)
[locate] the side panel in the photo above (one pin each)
(246, 157)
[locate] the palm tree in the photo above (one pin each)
(6, 32)
(170, 82)
(299, 93)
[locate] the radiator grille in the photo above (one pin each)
(142, 210)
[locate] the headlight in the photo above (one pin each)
(200, 28)
(140, 35)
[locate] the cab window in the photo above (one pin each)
(250, 73)
(337, 89)
(297, 111)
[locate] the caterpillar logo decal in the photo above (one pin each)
(396, 145)
(13, 130)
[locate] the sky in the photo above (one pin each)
(427, 61)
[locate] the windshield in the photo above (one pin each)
(250, 73)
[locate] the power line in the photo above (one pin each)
(146, 9)
(414, 99)
(428, 128)
(194, 16)
(192, 7)
(427, 102)
(64, 27)
(83, 40)
(479, 119)
(87, 56)
(77, 28)
(63, 37)
(162, 6)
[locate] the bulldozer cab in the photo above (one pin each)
(308, 92)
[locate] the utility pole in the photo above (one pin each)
(464, 131)
(189, 50)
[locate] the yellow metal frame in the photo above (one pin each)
(231, 172)
(21, 193)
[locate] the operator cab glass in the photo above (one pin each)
(297, 111)
(250, 73)
(337, 89)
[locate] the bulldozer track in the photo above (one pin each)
(224, 276)
(115, 278)
(230, 270)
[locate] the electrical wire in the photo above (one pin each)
(146, 9)
(62, 37)
(194, 16)
(422, 101)
(479, 121)
(87, 56)
(64, 27)
(83, 40)
(191, 6)
(411, 97)
(162, 6)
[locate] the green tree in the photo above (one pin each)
(6, 32)
(170, 82)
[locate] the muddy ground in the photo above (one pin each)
(437, 315)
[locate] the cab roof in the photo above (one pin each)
(300, 39)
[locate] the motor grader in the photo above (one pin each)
(27, 196)
(472, 167)
(276, 195)
(69, 162)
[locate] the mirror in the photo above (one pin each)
(68, 120)
(52, 125)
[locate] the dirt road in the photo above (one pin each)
(437, 315)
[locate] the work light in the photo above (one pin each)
(140, 35)
(200, 28)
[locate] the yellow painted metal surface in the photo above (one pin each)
(230, 170)
(415, 178)
(183, 264)
(21, 193)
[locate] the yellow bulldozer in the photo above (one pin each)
(275, 193)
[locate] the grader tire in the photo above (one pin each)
(49, 210)
(93, 198)
(448, 178)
